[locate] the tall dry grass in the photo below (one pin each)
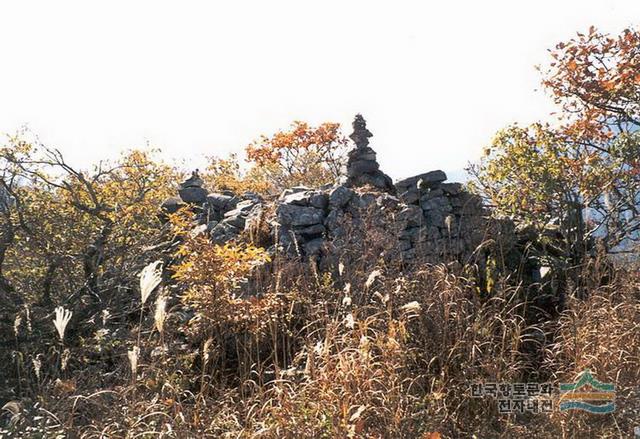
(361, 347)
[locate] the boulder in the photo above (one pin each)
(432, 193)
(334, 221)
(221, 202)
(339, 197)
(441, 204)
(237, 220)
(297, 198)
(293, 190)
(223, 232)
(293, 215)
(319, 200)
(451, 188)
(431, 178)
(171, 205)
(193, 181)
(193, 195)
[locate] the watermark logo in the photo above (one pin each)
(517, 397)
(588, 394)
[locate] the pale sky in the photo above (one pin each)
(434, 80)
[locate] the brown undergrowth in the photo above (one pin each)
(367, 348)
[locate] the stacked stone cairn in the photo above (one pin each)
(430, 218)
(362, 167)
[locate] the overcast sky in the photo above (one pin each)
(434, 80)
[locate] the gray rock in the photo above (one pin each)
(237, 220)
(297, 198)
(360, 167)
(319, 200)
(432, 177)
(432, 193)
(361, 134)
(411, 196)
(193, 181)
(468, 204)
(313, 247)
(411, 215)
(256, 198)
(387, 201)
(433, 233)
(220, 201)
(193, 195)
(223, 232)
(316, 229)
(441, 203)
(334, 220)
(451, 188)
(431, 180)
(339, 197)
(171, 205)
(376, 179)
(363, 200)
(362, 153)
(295, 189)
(434, 218)
(246, 206)
(414, 234)
(292, 215)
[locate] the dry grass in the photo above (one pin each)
(338, 353)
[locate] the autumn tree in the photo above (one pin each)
(302, 155)
(227, 174)
(582, 172)
(76, 234)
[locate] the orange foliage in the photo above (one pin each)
(303, 155)
(595, 79)
(212, 275)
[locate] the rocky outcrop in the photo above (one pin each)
(300, 216)
(228, 215)
(423, 215)
(453, 220)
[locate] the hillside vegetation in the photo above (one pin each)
(280, 298)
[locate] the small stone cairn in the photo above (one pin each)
(362, 167)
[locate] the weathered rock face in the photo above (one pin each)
(429, 218)
(227, 216)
